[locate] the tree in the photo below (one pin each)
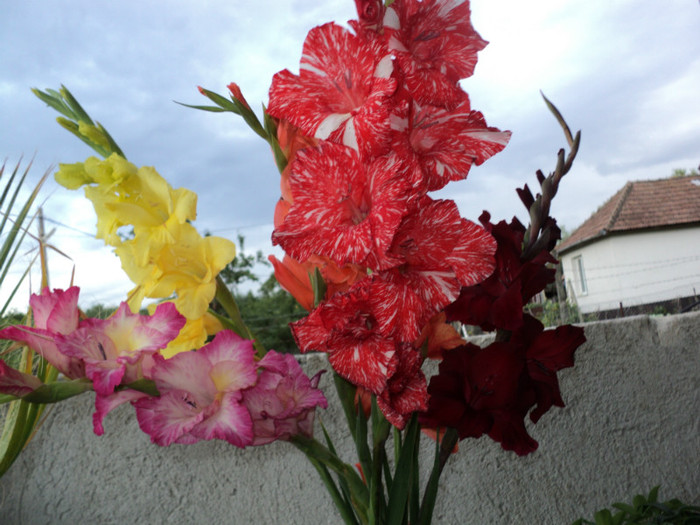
(241, 268)
(270, 309)
(682, 172)
(268, 314)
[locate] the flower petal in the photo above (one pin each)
(230, 422)
(105, 404)
(169, 417)
(340, 93)
(16, 383)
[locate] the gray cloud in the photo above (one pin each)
(626, 73)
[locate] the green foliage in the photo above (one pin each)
(241, 268)
(646, 510)
(681, 172)
(549, 314)
(78, 121)
(100, 311)
(268, 314)
(659, 310)
(19, 418)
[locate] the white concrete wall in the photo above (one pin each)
(636, 269)
(631, 422)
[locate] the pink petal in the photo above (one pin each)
(43, 343)
(232, 361)
(230, 422)
(105, 404)
(16, 383)
(188, 372)
(157, 330)
(56, 311)
(105, 375)
(168, 417)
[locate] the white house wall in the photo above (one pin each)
(635, 268)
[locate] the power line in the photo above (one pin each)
(686, 258)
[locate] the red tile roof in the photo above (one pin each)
(641, 205)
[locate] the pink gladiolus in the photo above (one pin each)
(200, 394)
(55, 313)
(283, 401)
(119, 350)
(16, 383)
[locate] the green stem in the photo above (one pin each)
(228, 303)
(58, 391)
(315, 451)
(341, 504)
(442, 454)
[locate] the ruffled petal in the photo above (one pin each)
(169, 417)
(341, 93)
(230, 422)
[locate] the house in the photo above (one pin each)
(642, 247)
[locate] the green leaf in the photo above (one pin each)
(431, 489)
(253, 123)
(624, 507)
(344, 508)
(318, 285)
(76, 108)
(653, 495)
(341, 481)
(414, 495)
(58, 391)
(360, 438)
(147, 386)
(271, 130)
(316, 451)
(213, 109)
(235, 322)
(618, 518)
(53, 99)
(639, 500)
(603, 517)
(346, 394)
(67, 105)
(11, 442)
(380, 432)
(220, 101)
(403, 476)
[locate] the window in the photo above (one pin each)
(580, 275)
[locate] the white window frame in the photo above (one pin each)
(580, 273)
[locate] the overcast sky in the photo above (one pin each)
(625, 72)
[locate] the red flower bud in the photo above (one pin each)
(370, 13)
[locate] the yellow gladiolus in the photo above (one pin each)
(192, 336)
(187, 267)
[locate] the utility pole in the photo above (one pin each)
(561, 294)
(42, 252)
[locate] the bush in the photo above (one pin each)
(646, 510)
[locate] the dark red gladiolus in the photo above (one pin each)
(498, 301)
(490, 390)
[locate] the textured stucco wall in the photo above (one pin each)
(631, 422)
